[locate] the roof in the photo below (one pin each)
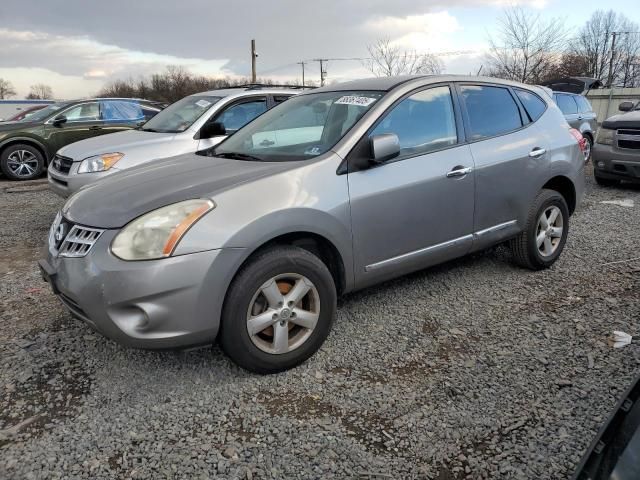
(227, 92)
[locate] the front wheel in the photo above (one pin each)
(545, 234)
(278, 311)
(21, 162)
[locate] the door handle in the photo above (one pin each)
(537, 152)
(580, 117)
(459, 172)
(95, 127)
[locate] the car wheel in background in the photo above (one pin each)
(21, 162)
(278, 311)
(587, 148)
(606, 182)
(545, 233)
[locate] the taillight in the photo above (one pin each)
(582, 142)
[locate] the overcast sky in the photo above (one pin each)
(77, 45)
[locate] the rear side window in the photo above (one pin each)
(566, 104)
(277, 99)
(532, 103)
(115, 110)
(491, 110)
(423, 122)
(583, 104)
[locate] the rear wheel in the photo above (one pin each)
(278, 311)
(21, 162)
(587, 148)
(606, 182)
(545, 234)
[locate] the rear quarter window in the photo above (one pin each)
(583, 104)
(532, 103)
(491, 110)
(567, 104)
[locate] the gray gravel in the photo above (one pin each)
(474, 369)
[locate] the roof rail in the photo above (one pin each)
(257, 86)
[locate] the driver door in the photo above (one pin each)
(83, 121)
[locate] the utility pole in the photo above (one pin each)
(303, 63)
(323, 71)
(254, 55)
(613, 54)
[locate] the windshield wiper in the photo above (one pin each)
(148, 129)
(238, 156)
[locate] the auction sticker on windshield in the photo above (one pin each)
(203, 103)
(355, 100)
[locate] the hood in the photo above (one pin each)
(623, 120)
(122, 142)
(119, 198)
(11, 126)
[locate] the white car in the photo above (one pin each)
(194, 123)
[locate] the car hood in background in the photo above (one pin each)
(119, 198)
(623, 120)
(123, 142)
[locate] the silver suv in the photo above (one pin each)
(332, 191)
(579, 114)
(194, 123)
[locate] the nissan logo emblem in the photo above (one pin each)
(60, 232)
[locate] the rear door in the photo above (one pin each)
(509, 152)
(82, 121)
(586, 115)
(118, 115)
(412, 211)
(569, 108)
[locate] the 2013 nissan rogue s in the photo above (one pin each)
(334, 190)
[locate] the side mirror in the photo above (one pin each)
(384, 147)
(212, 129)
(625, 106)
(59, 120)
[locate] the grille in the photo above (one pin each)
(68, 240)
(630, 144)
(629, 138)
(62, 164)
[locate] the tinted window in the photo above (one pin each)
(119, 110)
(237, 116)
(280, 98)
(491, 110)
(566, 104)
(83, 113)
(423, 122)
(533, 104)
(583, 104)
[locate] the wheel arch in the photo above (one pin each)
(26, 141)
(565, 187)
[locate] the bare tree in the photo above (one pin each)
(6, 89)
(594, 44)
(526, 47)
(40, 91)
(387, 60)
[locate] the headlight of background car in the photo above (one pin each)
(605, 136)
(99, 163)
(156, 234)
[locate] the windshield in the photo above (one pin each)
(304, 126)
(44, 113)
(180, 115)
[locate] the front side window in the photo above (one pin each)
(532, 103)
(120, 110)
(237, 116)
(423, 122)
(180, 115)
(85, 112)
(491, 110)
(567, 104)
(304, 126)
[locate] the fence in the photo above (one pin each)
(605, 101)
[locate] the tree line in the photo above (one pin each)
(531, 49)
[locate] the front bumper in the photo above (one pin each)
(168, 303)
(614, 163)
(66, 184)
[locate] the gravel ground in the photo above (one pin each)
(474, 369)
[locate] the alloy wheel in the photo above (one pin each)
(549, 231)
(283, 313)
(22, 163)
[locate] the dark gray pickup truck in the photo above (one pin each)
(616, 153)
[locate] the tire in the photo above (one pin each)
(21, 162)
(281, 268)
(525, 248)
(606, 182)
(590, 146)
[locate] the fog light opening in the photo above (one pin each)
(601, 164)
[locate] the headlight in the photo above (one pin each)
(156, 234)
(605, 136)
(99, 163)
